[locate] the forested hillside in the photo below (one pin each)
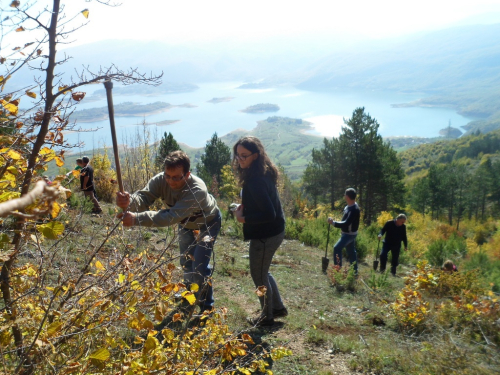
(470, 148)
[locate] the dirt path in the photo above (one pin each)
(315, 316)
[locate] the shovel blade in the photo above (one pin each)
(324, 264)
(375, 265)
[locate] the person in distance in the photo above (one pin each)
(395, 233)
(349, 227)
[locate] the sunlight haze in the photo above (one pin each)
(197, 21)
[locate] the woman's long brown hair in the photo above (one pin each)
(261, 166)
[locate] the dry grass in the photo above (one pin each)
(329, 332)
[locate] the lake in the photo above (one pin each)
(325, 110)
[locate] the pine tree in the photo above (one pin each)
(369, 165)
(167, 145)
(358, 158)
(217, 155)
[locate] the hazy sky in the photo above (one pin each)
(202, 20)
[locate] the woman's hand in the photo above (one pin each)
(239, 214)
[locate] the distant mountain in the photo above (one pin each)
(457, 68)
(195, 63)
(434, 63)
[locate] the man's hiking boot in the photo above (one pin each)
(260, 321)
(280, 313)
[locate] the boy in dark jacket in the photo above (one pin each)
(395, 232)
(349, 227)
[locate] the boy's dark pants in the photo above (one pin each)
(395, 257)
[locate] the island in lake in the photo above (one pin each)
(220, 100)
(261, 108)
(165, 122)
(157, 123)
(127, 109)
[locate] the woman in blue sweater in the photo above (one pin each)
(263, 221)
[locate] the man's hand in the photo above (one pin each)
(239, 214)
(128, 218)
(379, 237)
(406, 249)
(330, 221)
(122, 200)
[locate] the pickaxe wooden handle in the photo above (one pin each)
(109, 87)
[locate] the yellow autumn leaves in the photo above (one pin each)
(10, 106)
(14, 161)
(49, 155)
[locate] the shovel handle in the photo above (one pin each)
(109, 86)
(327, 241)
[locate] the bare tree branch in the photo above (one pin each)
(41, 188)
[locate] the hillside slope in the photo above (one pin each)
(474, 147)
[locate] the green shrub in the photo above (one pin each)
(362, 245)
(372, 231)
(293, 228)
(454, 248)
(455, 283)
(343, 278)
(78, 200)
(489, 270)
(378, 280)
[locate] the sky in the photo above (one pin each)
(203, 21)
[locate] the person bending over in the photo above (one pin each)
(190, 207)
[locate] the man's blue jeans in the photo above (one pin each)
(196, 252)
(347, 241)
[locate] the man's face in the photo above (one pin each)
(176, 178)
(400, 222)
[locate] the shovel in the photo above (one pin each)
(325, 260)
(375, 262)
